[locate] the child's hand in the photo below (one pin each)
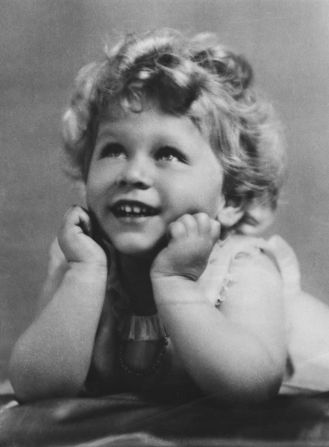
(192, 238)
(75, 241)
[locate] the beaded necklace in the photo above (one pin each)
(153, 369)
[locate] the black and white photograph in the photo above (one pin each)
(164, 223)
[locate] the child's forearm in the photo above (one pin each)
(224, 359)
(53, 356)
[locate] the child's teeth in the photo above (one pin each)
(136, 210)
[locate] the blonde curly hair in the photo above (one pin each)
(195, 77)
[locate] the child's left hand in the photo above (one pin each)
(192, 238)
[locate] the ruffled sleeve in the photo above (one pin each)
(239, 248)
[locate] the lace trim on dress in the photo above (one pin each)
(229, 278)
(227, 283)
(142, 328)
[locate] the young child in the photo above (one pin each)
(159, 282)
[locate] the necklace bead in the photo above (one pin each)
(151, 370)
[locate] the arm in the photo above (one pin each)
(52, 357)
(237, 353)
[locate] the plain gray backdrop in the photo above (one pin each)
(43, 43)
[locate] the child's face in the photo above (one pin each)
(148, 169)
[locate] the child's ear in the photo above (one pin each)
(229, 214)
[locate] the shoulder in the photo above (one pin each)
(57, 267)
(251, 252)
(252, 268)
(239, 256)
(243, 265)
(253, 288)
(269, 257)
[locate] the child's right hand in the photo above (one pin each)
(75, 241)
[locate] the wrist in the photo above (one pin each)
(88, 269)
(174, 289)
(190, 273)
(171, 276)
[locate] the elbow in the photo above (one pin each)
(258, 391)
(25, 395)
(32, 382)
(247, 386)
(27, 390)
(244, 392)
(18, 377)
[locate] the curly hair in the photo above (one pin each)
(195, 77)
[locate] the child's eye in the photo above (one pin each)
(113, 150)
(168, 153)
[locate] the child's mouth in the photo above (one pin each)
(132, 208)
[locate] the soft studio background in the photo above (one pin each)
(45, 42)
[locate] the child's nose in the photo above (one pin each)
(136, 172)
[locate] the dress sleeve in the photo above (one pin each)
(251, 249)
(287, 263)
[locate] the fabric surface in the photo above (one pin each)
(130, 420)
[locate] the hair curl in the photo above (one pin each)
(196, 77)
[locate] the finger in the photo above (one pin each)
(77, 216)
(75, 211)
(189, 222)
(214, 229)
(85, 224)
(177, 230)
(203, 223)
